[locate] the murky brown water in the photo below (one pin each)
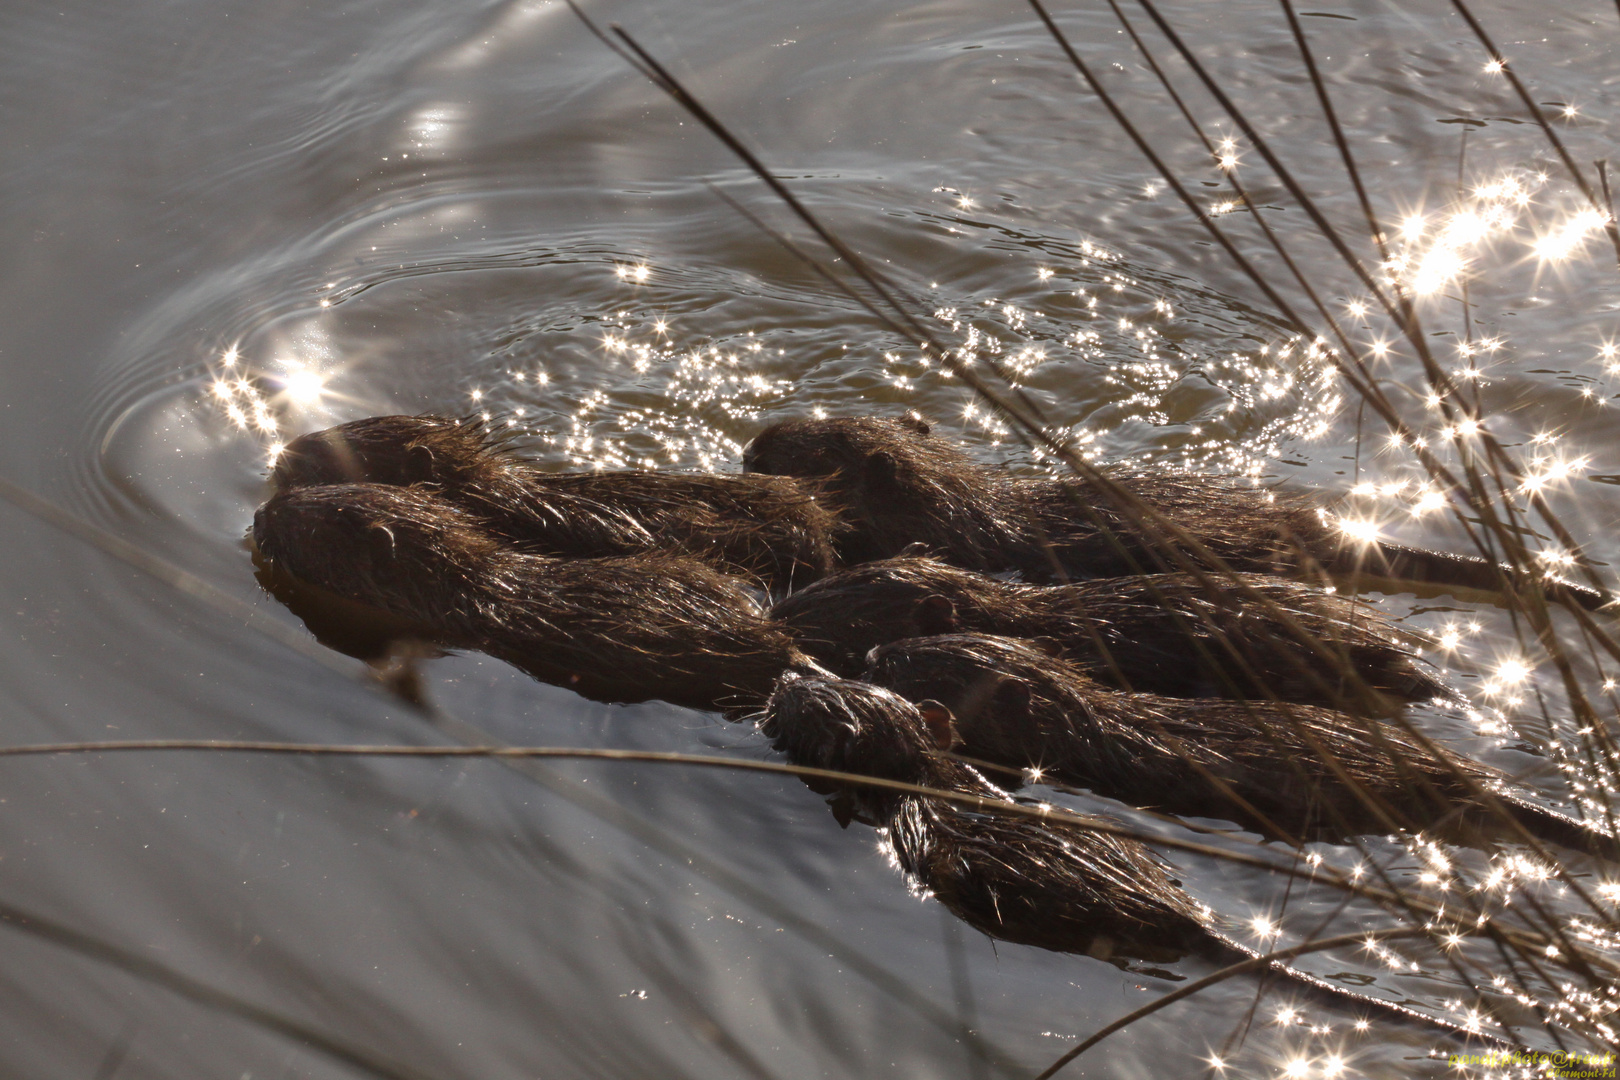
(339, 211)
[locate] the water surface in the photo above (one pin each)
(226, 224)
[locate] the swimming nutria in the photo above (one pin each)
(900, 484)
(1280, 768)
(771, 527)
(1052, 883)
(1162, 633)
(1011, 877)
(616, 629)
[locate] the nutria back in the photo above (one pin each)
(901, 483)
(1166, 634)
(1230, 519)
(1290, 770)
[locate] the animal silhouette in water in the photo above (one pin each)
(775, 528)
(899, 483)
(1051, 883)
(1292, 771)
(617, 629)
(1164, 634)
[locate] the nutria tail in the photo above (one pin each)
(1550, 825)
(1401, 563)
(1232, 951)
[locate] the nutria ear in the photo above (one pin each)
(420, 459)
(881, 468)
(936, 615)
(941, 723)
(916, 423)
(1012, 697)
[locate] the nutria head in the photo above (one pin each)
(854, 727)
(841, 618)
(899, 484)
(386, 450)
(401, 549)
(837, 445)
(988, 682)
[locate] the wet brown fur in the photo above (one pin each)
(774, 528)
(616, 629)
(899, 484)
(1164, 634)
(1050, 884)
(1311, 773)
(1042, 884)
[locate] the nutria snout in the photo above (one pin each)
(898, 484)
(394, 450)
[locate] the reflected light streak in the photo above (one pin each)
(1361, 530)
(304, 387)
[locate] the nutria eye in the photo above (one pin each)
(841, 737)
(1014, 696)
